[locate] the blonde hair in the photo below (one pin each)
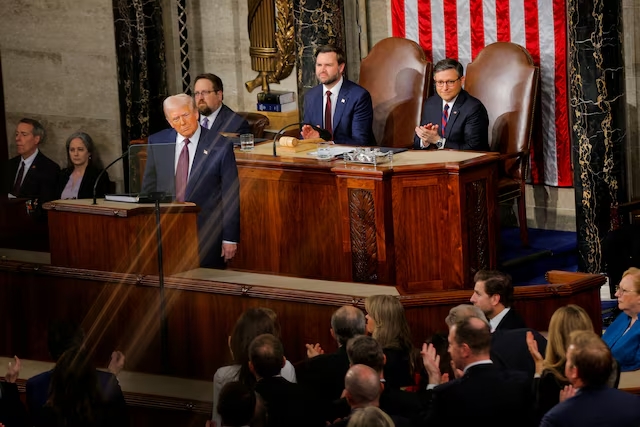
(564, 321)
(370, 416)
(635, 273)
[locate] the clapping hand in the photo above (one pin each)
(314, 350)
(532, 344)
(13, 370)
(431, 362)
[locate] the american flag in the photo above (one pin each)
(461, 28)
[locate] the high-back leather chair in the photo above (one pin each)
(504, 78)
(257, 122)
(398, 76)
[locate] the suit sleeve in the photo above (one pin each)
(475, 131)
(361, 123)
(12, 411)
(49, 183)
(230, 195)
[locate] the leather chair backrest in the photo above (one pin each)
(505, 79)
(398, 76)
(258, 122)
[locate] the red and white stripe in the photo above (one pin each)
(461, 28)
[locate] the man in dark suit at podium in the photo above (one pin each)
(452, 118)
(197, 166)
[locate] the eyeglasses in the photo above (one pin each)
(624, 291)
(176, 119)
(449, 83)
(203, 93)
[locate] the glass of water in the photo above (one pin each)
(246, 142)
(323, 151)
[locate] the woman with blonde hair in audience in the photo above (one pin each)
(253, 322)
(623, 335)
(386, 322)
(370, 416)
(550, 377)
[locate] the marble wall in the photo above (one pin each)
(631, 34)
(59, 67)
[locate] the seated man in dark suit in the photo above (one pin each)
(493, 294)
(452, 118)
(214, 115)
(338, 105)
(589, 401)
(12, 411)
(483, 394)
(30, 174)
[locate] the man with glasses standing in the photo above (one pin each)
(214, 115)
(452, 118)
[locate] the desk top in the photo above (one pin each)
(121, 209)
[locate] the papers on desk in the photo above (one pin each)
(126, 198)
(335, 151)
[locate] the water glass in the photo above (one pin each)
(323, 151)
(246, 142)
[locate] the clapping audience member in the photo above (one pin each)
(253, 322)
(590, 401)
(550, 371)
(12, 411)
(623, 335)
(387, 323)
(370, 417)
(78, 178)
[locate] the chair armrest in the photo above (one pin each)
(507, 156)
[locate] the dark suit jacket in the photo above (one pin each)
(86, 186)
(485, 396)
(353, 115)
(596, 407)
(12, 412)
(38, 393)
(468, 124)
(228, 121)
(38, 183)
(323, 375)
(511, 320)
(288, 404)
(213, 186)
(509, 349)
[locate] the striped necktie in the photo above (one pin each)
(445, 117)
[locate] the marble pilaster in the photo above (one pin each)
(597, 111)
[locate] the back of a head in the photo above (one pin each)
(496, 283)
(592, 358)
(563, 322)
(365, 350)
(62, 336)
(392, 329)
(267, 355)
(362, 385)
(464, 311)
(347, 322)
(236, 404)
(476, 333)
(370, 416)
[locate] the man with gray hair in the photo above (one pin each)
(197, 166)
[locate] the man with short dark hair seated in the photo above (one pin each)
(493, 293)
(588, 401)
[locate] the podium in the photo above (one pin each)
(121, 237)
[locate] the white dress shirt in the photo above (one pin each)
(192, 147)
(498, 318)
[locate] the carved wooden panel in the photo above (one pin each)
(364, 248)
(477, 227)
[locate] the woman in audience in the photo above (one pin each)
(550, 378)
(623, 335)
(370, 416)
(78, 178)
(253, 322)
(386, 322)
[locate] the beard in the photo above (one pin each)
(204, 109)
(330, 79)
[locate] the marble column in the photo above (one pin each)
(597, 111)
(317, 22)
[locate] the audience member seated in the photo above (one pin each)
(78, 178)
(12, 411)
(323, 374)
(362, 388)
(589, 401)
(76, 398)
(30, 174)
(238, 406)
(623, 335)
(370, 417)
(62, 337)
(253, 322)
(387, 323)
(288, 404)
(493, 293)
(550, 376)
(452, 118)
(214, 115)
(338, 105)
(482, 393)
(509, 349)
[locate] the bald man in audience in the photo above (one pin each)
(589, 401)
(493, 293)
(483, 394)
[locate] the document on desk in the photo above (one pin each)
(335, 151)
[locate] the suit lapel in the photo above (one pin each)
(341, 102)
(455, 112)
(202, 153)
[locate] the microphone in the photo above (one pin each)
(95, 185)
(324, 134)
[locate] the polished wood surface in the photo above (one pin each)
(121, 237)
(425, 222)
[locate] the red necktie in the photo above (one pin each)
(182, 173)
(445, 117)
(327, 114)
(18, 183)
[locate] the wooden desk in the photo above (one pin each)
(426, 222)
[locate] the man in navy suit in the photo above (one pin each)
(493, 294)
(588, 368)
(214, 115)
(337, 104)
(452, 118)
(197, 166)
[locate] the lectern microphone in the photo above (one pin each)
(95, 186)
(324, 134)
